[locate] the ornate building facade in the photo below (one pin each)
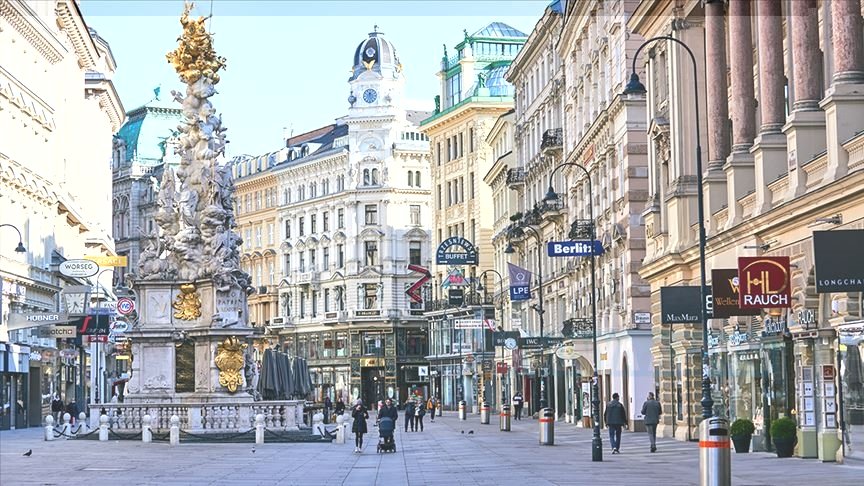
(353, 211)
(473, 95)
(782, 82)
(58, 109)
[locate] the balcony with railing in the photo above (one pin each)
(516, 178)
(552, 142)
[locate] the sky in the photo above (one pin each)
(289, 60)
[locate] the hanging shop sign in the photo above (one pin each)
(108, 261)
(520, 283)
(456, 297)
(575, 248)
(738, 338)
(93, 325)
(567, 352)
(57, 332)
(764, 282)
(500, 337)
(773, 326)
(680, 305)
(31, 319)
(78, 268)
(714, 340)
(454, 279)
(725, 290)
(447, 256)
(838, 267)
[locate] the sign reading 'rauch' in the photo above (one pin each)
(764, 282)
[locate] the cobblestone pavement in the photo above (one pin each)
(439, 455)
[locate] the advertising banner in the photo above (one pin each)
(764, 282)
(680, 305)
(520, 283)
(839, 268)
(725, 289)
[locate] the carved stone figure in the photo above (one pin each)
(250, 370)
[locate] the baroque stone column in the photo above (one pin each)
(739, 165)
(769, 151)
(718, 108)
(805, 127)
(844, 100)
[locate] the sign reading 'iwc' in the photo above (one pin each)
(446, 256)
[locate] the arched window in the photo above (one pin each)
(417, 178)
(410, 178)
(374, 177)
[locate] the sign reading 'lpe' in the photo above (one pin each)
(764, 282)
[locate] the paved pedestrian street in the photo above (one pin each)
(440, 455)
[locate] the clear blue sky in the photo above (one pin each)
(289, 60)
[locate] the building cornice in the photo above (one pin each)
(70, 21)
(23, 22)
(474, 105)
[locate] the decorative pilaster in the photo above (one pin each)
(739, 165)
(718, 109)
(844, 100)
(805, 128)
(769, 150)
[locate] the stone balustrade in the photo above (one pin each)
(202, 417)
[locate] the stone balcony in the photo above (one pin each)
(552, 142)
(516, 178)
(311, 277)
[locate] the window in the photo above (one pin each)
(366, 177)
(287, 269)
(325, 187)
(302, 261)
(247, 241)
(414, 253)
(471, 140)
(248, 199)
(257, 200)
(340, 255)
(312, 260)
(258, 237)
(301, 223)
(340, 218)
(325, 258)
(410, 178)
(370, 296)
(287, 229)
(313, 224)
(325, 221)
(271, 234)
(415, 214)
(416, 178)
(438, 153)
(374, 177)
(314, 314)
(341, 344)
(313, 190)
(471, 186)
(301, 344)
(258, 279)
(439, 197)
(267, 198)
(373, 343)
(326, 300)
(286, 196)
(272, 273)
(371, 252)
(371, 214)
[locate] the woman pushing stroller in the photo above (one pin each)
(386, 426)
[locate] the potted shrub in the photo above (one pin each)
(784, 433)
(742, 432)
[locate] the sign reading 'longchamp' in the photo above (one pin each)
(838, 266)
(764, 282)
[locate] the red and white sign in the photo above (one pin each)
(501, 367)
(98, 338)
(763, 282)
(125, 306)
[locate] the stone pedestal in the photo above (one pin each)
(716, 193)
(844, 116)
(805, 138)
(164, 339)
(769, 160)
(739, 183)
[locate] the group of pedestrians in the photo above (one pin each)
(414, 412)
(616, 419)
(58, 408)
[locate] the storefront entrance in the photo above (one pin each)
(372, 385)
(851, 358)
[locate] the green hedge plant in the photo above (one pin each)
(783, 428)
(742, 428)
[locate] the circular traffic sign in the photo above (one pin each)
(125, 305)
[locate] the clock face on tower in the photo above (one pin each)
(370, 95)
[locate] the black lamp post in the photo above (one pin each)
(20, 248)
(538, 308)
(636, 87)
(551, 195)
(481, 288)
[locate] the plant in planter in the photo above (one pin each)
(784, 433)
(742, 432)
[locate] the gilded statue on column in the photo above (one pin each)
(187, 304)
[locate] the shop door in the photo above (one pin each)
(372, 386)
(852, 394)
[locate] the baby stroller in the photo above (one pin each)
(386, 427)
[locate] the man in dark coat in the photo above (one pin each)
(388, 410)
(652, 410)
(409, 414)
(615, 417)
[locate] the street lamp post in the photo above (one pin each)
(634, 86)
(18, 249)
(551, 195)
(481, 288)
(538, 308)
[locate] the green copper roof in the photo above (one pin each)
(146, 129)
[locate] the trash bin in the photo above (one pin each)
(462, 410)
(547, 426)
(504, 419)
(484, 413)
(715, 466)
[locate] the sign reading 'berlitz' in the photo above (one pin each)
(764, 282)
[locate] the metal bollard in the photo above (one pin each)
(67, 427)
(175, 430)
(340, 429)
(547, 426)
(103, 428)
(462, 415)
(49, 428)
(484, 413)
(504, 419)
(146, 430)
(259, 428)
(715, 466)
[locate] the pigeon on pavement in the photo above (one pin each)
(470, 432)
(29, 453)
(463, 431)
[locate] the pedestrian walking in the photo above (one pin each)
(410, 409)
(57, 408)
(652, 410)
(388, 410)
(72, 410)
(339, 408)
(360, 415)
(418, 415)
(430, 405)
(518, 402)
(328, 407)
(438, 405)
(616, 418)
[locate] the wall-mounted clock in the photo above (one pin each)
(370, 95)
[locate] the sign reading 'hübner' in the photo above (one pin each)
(764, 282)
